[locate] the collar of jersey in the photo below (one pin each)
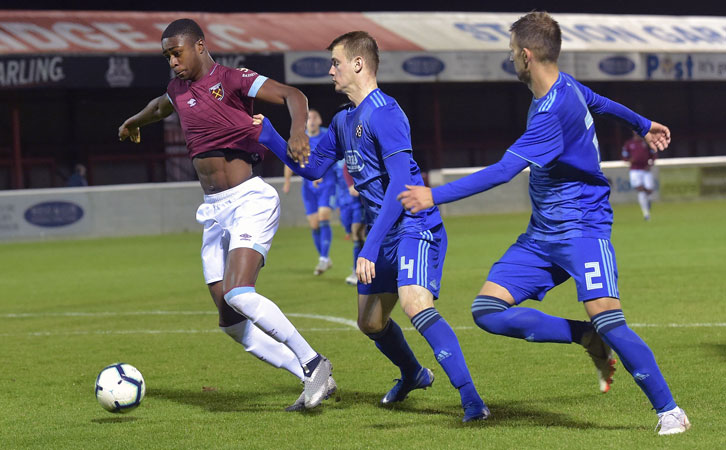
(208, 74)
(367, 99)
(559, 78)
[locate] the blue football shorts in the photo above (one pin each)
(317, 197)
(351, 213)
(411, 258)
(530, 268)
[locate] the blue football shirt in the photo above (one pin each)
(568, 191)
(364, 136)
(329, 176)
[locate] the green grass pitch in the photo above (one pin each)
(68, 308)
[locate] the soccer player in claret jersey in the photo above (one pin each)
(403, 255)
(317, 196)
(569, 232)
(641, 158)
(240, 212)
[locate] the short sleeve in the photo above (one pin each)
(245, 82)
(542, 142)
(391, 129)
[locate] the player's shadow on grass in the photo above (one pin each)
(509, 414)
(523, 413)
(718, 350)
(221, 400)
(116, 419)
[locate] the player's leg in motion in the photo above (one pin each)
(310, 202)
(642, 182)
(420, 264)
(607, 317)
(254, 340)
(326, 237)
(243, 265)
(374, 312)
(418, 305)
(358, 237)
(529, 270)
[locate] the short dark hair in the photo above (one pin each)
(184, 27)
(540, 33)
(358, 43)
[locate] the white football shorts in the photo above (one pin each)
(642, 178)
(245, 216)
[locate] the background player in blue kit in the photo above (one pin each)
(347, 200)
(317, 195)
(569, 231)
(404, 253)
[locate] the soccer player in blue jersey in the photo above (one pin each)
(403, 255)
(569, 231)
(351, 213)
(317, 195)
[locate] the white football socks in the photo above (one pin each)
(267, 316)
(643, 201)
(258, 343)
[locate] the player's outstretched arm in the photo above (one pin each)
(417, 198)
(297, 104)
(156, 110)
(659, 136)
(269, 137)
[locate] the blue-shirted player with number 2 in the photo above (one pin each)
(569, 232)
(403, 255)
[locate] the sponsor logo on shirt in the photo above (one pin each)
(353, 161)
(246, 73)
(245, 237)
(217, 91)
(191, 102)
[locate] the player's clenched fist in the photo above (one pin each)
(416, 198)
(131, 132)
(298, 147)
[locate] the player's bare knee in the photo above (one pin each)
(371, 325)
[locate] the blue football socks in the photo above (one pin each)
(316, 239)
(326, 234)
(447, 351)
(496, 316)
(636, 356)
(390, 342)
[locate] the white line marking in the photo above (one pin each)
(349, 324)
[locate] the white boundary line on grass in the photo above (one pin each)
(349, 324)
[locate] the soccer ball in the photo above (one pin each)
(120, 388)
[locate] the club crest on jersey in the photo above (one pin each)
(217, 91)
(353, 161)
(359, 130)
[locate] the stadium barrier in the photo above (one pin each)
(159, 208)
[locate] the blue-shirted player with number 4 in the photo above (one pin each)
(403, 255)
(569, 232)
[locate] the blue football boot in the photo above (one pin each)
(424, 378)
